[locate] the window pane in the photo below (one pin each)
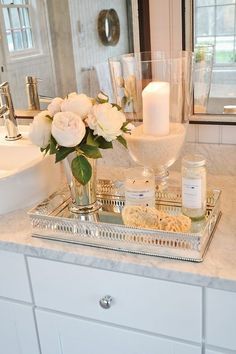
(204, 22)
(24, 38)
(225, 19)
(24, 13)
(15, 21)
(6, 18)
(6, 2)
(10, 41)
(18, 41)
(223, 2)
(205, 40)
(21, 2)
(204, 2)
(15, 2)
(224, 50)
(29, 38)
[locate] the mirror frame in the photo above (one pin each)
(108, 27)
(187, 43)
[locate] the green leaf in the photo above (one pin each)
(91, 139)
(103, 144)
(125, 124)
(49, 117)
(81, 169)
(90, 151)
(124, 101)
(117, 106)
(122, 141)
(102, 97)
(45, 150)
(53, 146)
(63, 152)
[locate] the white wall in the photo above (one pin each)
(62, 48)
(88, 49)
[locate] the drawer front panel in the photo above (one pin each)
(221, 318)
(13, 276)
(62, 334)
(157, 306)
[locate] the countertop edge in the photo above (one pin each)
(121, 266)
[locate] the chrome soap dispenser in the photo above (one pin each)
(32, 92)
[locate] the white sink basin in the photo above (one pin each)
(26, 176)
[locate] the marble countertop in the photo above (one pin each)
(218, 270)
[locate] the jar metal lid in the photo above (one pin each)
(193, 160)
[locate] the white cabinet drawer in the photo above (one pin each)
(62, 334)
(13, 276)
(156, 306)
(221, 318)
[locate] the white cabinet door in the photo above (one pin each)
(14, 281)
(17, 329)
(60, 334)
(221, 319)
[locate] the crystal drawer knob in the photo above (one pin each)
(105, 302)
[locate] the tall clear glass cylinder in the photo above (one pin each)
(154, 89)
(132, 72)
(203, 64)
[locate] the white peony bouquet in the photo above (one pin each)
(82, 125)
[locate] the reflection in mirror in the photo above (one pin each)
(108, 27)
(215, 56)
(57, 42)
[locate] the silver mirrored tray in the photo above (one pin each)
(52, 220)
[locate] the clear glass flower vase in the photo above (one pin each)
(83, 197)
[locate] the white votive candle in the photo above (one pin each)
(140, 187)
(156, 101)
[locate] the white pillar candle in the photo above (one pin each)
(156, 101)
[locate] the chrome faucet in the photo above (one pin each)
(8, 113)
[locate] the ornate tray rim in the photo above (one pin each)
(80, 233)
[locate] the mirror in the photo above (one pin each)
(60, 45)
(58, 42)
(213, 39)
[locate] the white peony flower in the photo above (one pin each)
(72, 94)
(106, 121)
(77, 103)
(40, 129)
(55, 106)
(68, 129)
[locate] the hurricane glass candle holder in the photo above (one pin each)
(155, 89)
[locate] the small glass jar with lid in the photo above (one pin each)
(194, 186)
